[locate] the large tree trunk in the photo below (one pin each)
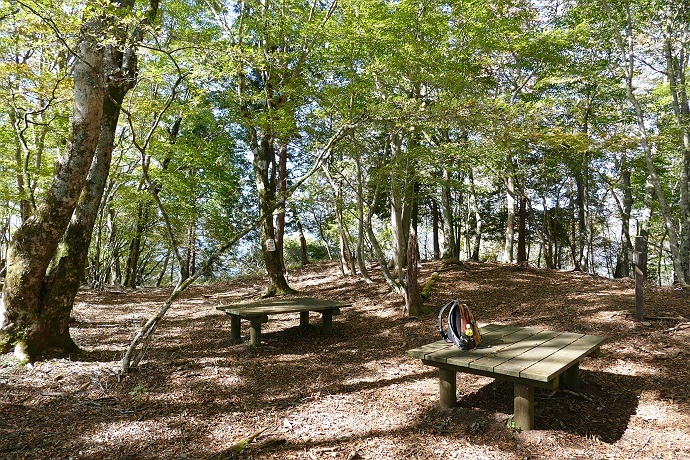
(264, 155)
(120, 67)
(281, 188)
(68, 274)
(24, 323)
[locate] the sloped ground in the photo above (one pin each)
(354, 395)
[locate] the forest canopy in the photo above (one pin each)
(149, 143)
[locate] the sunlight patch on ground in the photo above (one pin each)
(652, 408)
(125, 433)
(622, 367)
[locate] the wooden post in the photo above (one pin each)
(303, 319)
(523, 406)
(254, 334)
(640, 261)
(571, 377)
(327, 322)
(235, 327)
(447, 388)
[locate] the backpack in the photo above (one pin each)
(462, 328)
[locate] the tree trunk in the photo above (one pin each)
(304, 255)
(135, 247)
(413, 299)
(264, 155)
(447, 215)
(510, 220)
(281, 188)
(69, 272)
(24, 323)
(626, 48)
(623, 261)
(676, 71)
(522, 229)
(474, 207)
(361, 260)
(435, 220)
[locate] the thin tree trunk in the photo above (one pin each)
(474, 207)
(510, 219)
(413, 299)
(361, 261)
(435, 221)
(622, 269)
(522, 229)
(304, 255)
(447, 215)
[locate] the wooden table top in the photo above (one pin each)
(279, 305)
(522, 352)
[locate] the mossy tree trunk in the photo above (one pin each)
(120, 70)
(24, 320)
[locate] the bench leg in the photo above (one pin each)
(524, 406)
(571, 377)
(254, 334)
(327, 318)
(303, 319)
(235, 331)
(447, 388)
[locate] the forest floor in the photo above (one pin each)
(355, 394)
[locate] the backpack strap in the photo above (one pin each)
(440, 321)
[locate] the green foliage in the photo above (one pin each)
(443, 90)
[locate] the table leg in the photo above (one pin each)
(254, 334)
(303, 319)
(524, 406)
(571, 377)
(327, 318)
(447, 388)
(235, 330)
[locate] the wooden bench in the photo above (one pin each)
(258, 312)
(528, 357)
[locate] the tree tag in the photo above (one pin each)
(270, 245)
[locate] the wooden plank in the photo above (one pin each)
(535, 353)
(424, 350)
(442, 351)
(505, 337)
(508, 351)
(278, 306)
(563, 358)
(550, 385)
(430, 348)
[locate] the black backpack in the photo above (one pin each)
(463, 331)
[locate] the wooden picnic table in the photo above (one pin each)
(528, 357)
(258, 312)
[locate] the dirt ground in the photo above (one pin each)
(355, 394)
